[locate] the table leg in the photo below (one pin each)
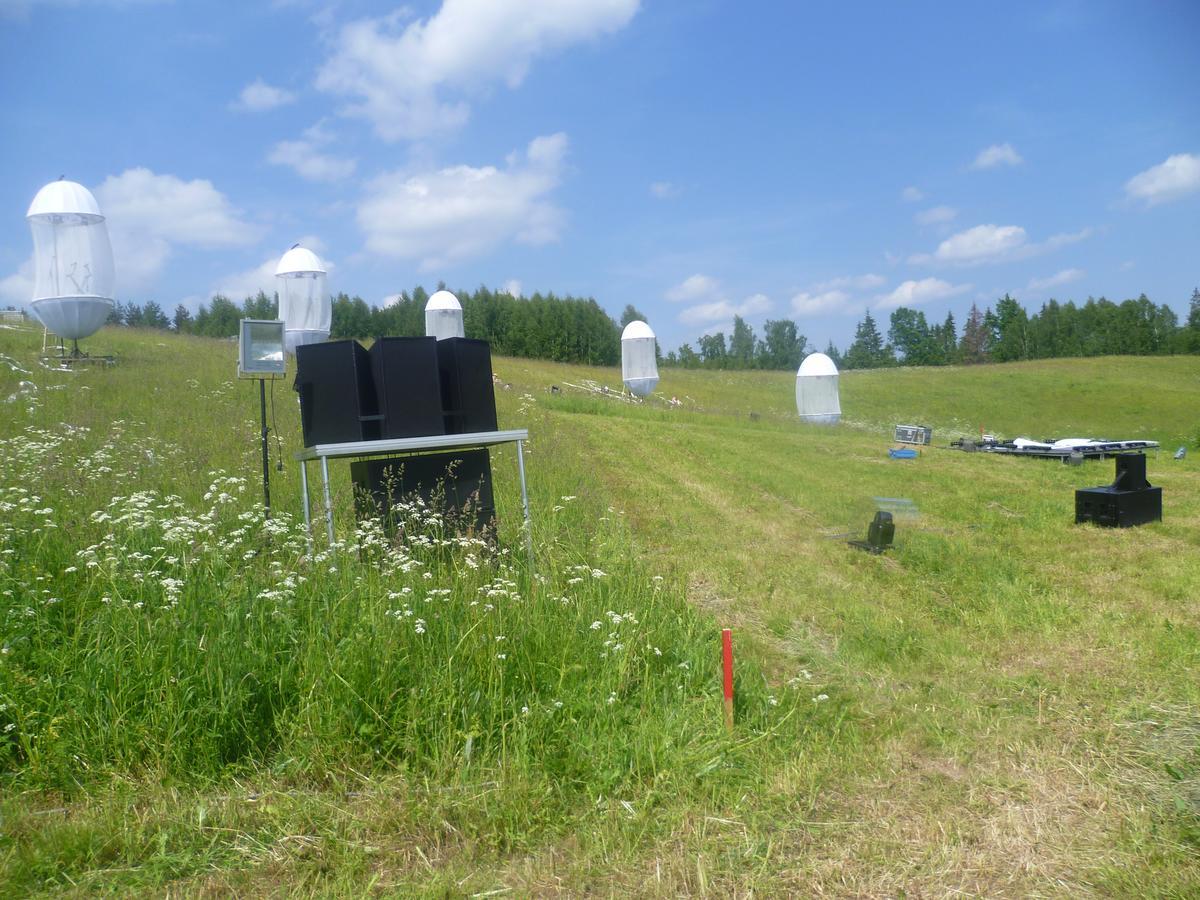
(525, 502)
(328, 502)
(307, 511)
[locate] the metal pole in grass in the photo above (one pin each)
(262, 403)
(261, 355)
(727, 659)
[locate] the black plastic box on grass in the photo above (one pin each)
(1130, 500)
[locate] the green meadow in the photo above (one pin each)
(193, 704)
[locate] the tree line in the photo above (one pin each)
(564, 329)
(578, 330)
(1008, 332)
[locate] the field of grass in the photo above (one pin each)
(1006, 704)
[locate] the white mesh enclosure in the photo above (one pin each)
(444, 317)
(639, 365)
(304, 304)
(817, 398)
(74, 280)
(72, 257)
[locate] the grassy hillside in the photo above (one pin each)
(1006, 704)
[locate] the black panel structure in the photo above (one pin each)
(1129, 500)
(337, 393)
(468, 399)
(447, 482)
(408, 386)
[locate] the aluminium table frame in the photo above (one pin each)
(326, 452)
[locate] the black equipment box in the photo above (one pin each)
(468, 398)
(408, 386)
(449, 483)
(338, 403)
(1129, 500)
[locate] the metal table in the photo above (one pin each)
(326, 452)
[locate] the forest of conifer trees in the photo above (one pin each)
(578, 330)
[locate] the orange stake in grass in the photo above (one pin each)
(727, 654)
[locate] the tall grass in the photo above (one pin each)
(1000, 705)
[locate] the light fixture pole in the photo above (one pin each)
(262, 405)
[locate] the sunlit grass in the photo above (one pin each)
(1005, 704)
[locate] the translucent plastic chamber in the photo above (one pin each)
(72, 257)
(444, 316)
(74, 280)
(304, 304)
(817, 399)
(639, 362)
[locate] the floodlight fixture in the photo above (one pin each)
(261, 355)
(261, 349)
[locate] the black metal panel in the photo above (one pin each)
(337, 393)
(408, 385)
(447, 482)
(468, 399)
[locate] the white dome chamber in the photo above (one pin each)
(639, 360)
(817, 399)
(444, 317)
(74, 277)
(304, 304)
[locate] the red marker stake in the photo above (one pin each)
(727, 654)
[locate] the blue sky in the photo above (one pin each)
(698, 159)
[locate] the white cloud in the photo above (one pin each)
(247, 284)
(390, 300)
(719, 310)
(396, 70)
(663, 190)
(997, 155)
(854, 282)
(983, 243)
(1169, 180)
(258, 96)
(911, 194)
(308, 161)
(1066, 276)
(694, 287)
(17, 288)
(808, 304)
(512, 287)
(914, 293)
(460, 212)
(181, 212)
(837, 295)
(993, 244)
(938, 215)
(149, 214)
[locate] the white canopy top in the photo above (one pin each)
(300, 261)
(816, 364)
(636, 329)
(65, 198)
(443, 300)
